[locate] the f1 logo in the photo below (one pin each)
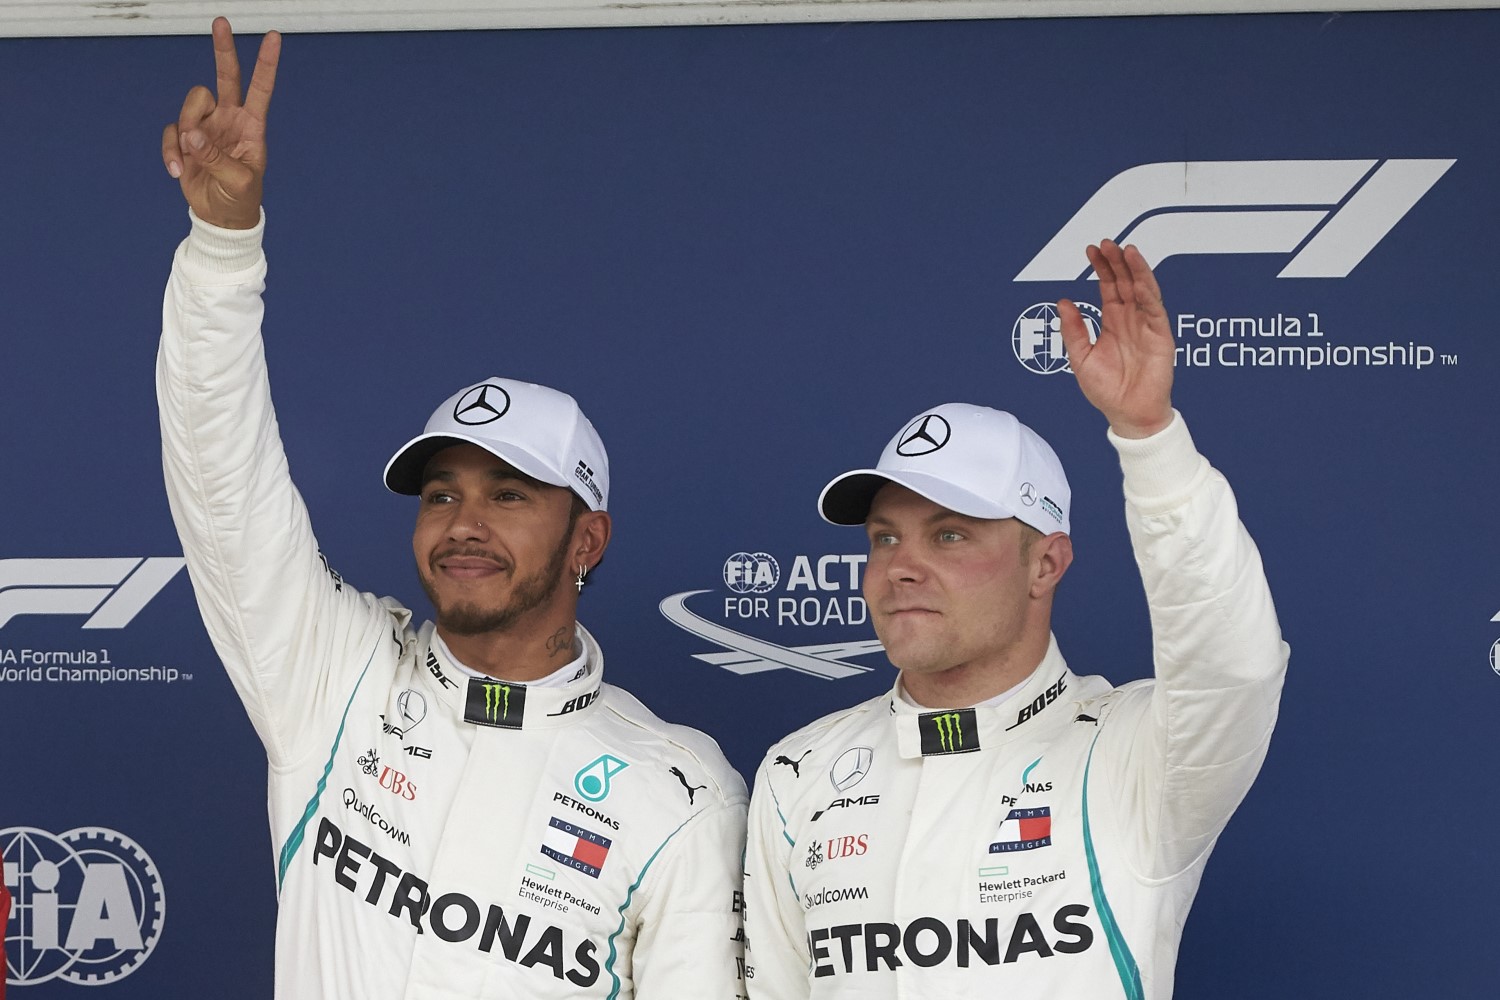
(110, 591)
(1335, 211)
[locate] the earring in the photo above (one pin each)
(583, 573)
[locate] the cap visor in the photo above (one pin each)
(847, 499)
(403, 473)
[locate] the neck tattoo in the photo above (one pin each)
(561, 643)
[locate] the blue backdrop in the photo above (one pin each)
(753, 253)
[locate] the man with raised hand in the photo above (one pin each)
(460, 810)
(997, 825)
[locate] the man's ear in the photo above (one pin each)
(590, 538)
(1051, 555)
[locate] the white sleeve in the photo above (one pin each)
(776, 957)
(1218, 652)
(690, 941)
(283, 625)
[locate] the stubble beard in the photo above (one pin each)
(530, 593)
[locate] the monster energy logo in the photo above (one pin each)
(948, 732)
(492, 704)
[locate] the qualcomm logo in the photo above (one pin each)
(1037, 336)
(831, 584)
(110, 591)
(88, 906)
(1332, 213)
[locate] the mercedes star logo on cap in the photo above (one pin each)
(481, 404)
(1028, 494)
(923, 436)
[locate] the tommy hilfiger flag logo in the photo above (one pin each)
(579, 849)
(1024, 830)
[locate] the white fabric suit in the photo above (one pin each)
(1048, 846)
(438, 836)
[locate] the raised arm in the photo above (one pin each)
(279, 621)
(1187, 752)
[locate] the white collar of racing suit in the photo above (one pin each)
(500, 704)
(1048, 697)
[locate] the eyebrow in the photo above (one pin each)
(943, 514)
(496, 475)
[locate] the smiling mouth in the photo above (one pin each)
(468, 567)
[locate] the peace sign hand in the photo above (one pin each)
(217, 146)
(1127, 373)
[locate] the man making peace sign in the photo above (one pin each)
(460, 810)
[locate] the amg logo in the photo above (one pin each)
(863, 800)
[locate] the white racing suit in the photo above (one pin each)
(1045, 847)
(437, 836)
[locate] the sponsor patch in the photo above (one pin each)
(572, 845)
(1024, 830)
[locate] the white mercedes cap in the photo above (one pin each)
(970, 459)
(537, 430)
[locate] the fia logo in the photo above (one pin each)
(1036, 338)
(88, 906)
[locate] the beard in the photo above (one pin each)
(529, 593)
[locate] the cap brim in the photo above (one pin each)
(847, 499)
(403, 473)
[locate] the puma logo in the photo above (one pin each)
(691, 789)
(795, 765)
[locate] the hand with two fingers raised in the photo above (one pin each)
(217, 146)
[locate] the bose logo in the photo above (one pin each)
(110, 591)
(1345, 208)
